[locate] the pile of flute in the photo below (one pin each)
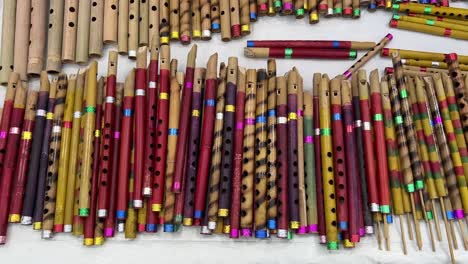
(235, 151)
(443, 21)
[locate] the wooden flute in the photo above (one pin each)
(143, 24)
(82, 33)
(69, 37)
(22, 26)
(122, 25)
(8, 40)
(96, 28)
(37, 35)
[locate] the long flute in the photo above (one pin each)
(38, 134)
(54, 158)
(89, 127)
(153, 22)
(96, 28)
(8, 40)
(238, 151)
(282, 155)
(90, 221)
(309, 162)
(133, 30)
(207, 138)
(9, 163)
(109, 224)
(106, 165)
(216, 150)
(161, 130)
(122, 32)
(151, 112)
(143, 24)
(37, 35)
(73, 155)
(248, 166)
(194, 138)
(22, 26)
(22, 165)
(82, 33)
(272, 175)
(300, 158)
(38, 201)
(126, 142)
(186, 101)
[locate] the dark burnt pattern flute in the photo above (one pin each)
(23, 158)
(194, 139)
(236, 181)
(14, 135)
(106, 168)
(228, 139)
(282, 155)
(161, 130)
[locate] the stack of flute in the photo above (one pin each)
(235, 151)
(443, 21)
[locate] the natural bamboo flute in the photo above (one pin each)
(133, 30)
(22, 26)
(272, 190)
(96, 28)
(37, 36)
(122, 25)
(111, 10)
(153, 22)
(8, 40)
(69, 37)
(143, 24)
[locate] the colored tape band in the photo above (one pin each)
(164, 40)
(277, 4)
(438, 120)
(50, 116)
(97, 133)
(427, 10)
(210, 102)
(378, 117)
(403, 93)
(430, 22)
(336, 44)
(219, 116)
(240, 125)
(385, 209)
(196, 33)
(215, 26)
(67, 124)
(325, 131)
(317, 132)
(282, 120)
(349, 128)
(398, 120)
(300, 12)
(163, 96)
(288, 53)
(429, 216)
(314, 17)
(308, 139)
(174, 35)
(357, 12)
(338, 10)
(55, 129)
(40, 112)
(292, 116)
(419, 184)
(90, 109)
(110, 99)
(367, 126)
(410, 187)
(172, 131)
(250, 121)
(140, 92)
(447, 32)
(26, 135)
(127, 112)
(195, 112)
(272, 113)
(14, 130)
(152, 85)
(358, 123)
(116, 134)
(77, 114)
(245, 28)
(261, 119)
(336, 116)
(300, 112)
(230, 108)
(287, 6)
(3, 134)
(188, 85)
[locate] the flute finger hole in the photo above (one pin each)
(333, 210)
(72, 9)
(332, 196)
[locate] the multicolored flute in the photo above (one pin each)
(309, 160)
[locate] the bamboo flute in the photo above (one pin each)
(21, 171)
(37, 36)
(173, 124)
(235, 209)
(244, 17)
(206, 138)
(5, 123)
(192, 148)
(235, 19)
(309, 162)
(228, 139)
(90, 222)
(196, 20)
(161, 130)
(282, 155)
(261, 169)
(107, 149)
(184, 120)
(82, 33)
(164, 23)
(185, 18)
(143, 24)
(205, 19)
(248, 166)
(50, 195)
(133, 29)
(318, 159)
(96, 28)
(153, 23)
(88, 134)
(22, 25)
(225, 20)
(126, 143)
(65, 148)
(174, 19)
(38, 133)
(110, 26)
(69, 38)
(38, 200)
(300, 157)
(122, 25)
(216, 152)
(9, 164)
(74, 153)
(272, 175)
(8, 40)
(215, 16)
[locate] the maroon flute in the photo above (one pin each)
(300, 53)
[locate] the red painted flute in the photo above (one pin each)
(282, 155)
(207, 137)
(238, 151)
(109, 224)
(339, 159)
(318, 159)
(161, 130)
(311, 44)
(181, 149)
(23, 158)
(90, 220)
(151, 111)
(125, 147)
(107, 137)
(300, 53)
(140, 126)
(9, 165)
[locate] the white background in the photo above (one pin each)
(25, 245)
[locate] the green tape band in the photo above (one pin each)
(300, 12)
(398, 120)
(403, 93)
(90, 109)
(325, 131)
(427, 9)
(396, 16)
(419, 184)
(332, 245)
(385, 209)
(83, 212)
(356, 12)
(429, 215)
(430, 22)
(378, 117)
(452, 107)
(410, 187)
(290, 235)
(288, 53)
(277, 4)
(352, 54)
